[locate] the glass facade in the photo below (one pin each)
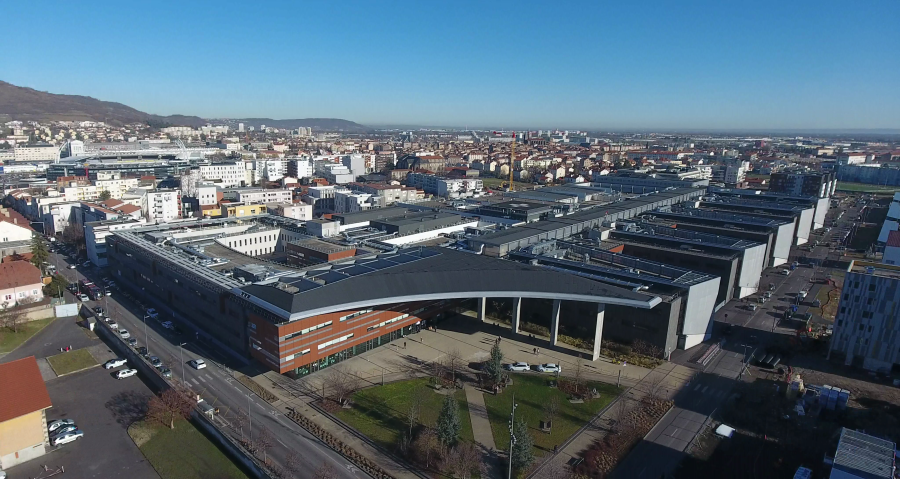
(357, 349)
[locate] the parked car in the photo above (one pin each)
(131, 341)
(142, 351)
(125, 373)
(67, 438)
(64, 430)
(124, 333)
(152, 314)
(112, 324)
(54, 425)
(107, 292)
(200, 364)
(114, 363)
(518, 367)
(549, 368)
(86, 264)
(83, 298)
(155, 361)
(98, 311)
(71, 266)
(166, 372)
(168, 325)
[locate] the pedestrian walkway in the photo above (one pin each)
(481, 429)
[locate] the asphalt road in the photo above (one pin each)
(214, 383)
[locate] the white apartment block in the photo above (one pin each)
(346, 201)
(294, 211)
(251, 196)
(446, 187)
(116, 187)
(271, 170)
(866, 327)
(225, 175)
(36, 153)
(161, 205)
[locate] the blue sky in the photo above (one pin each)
(592, 64)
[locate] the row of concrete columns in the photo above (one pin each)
(554, 321)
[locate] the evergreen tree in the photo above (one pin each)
(448, 423)
(523, 449)
(39, 252)
(494, 366)
(104, 195)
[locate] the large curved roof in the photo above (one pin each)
(425, 274)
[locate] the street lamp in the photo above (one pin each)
(181, 351)
(146, 335)
(512, 436)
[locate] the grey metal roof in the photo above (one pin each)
(425, 274)
(864, 456)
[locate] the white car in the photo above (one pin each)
(518, 367)
(113, 325)
(59, 423)
(124, 333)
(71, 266)
(197, 363)
(152, 314)
(83, 298)
(114, 363)
(549, 368)
(67, 437)
(125, 373)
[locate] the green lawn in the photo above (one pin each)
(865, 188)
(183, 452)
(379, 412)
(532, 393)
(10, 340)
(65, 363)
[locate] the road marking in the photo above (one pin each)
(202, 379)
(704, 390)
(698, 387)
(195, 381)
(209, 377)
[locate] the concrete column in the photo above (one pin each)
(598, 334)
(554, 322)
(482, 304)
(516, 313)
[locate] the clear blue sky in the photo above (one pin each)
(581, 64)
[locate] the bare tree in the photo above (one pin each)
(551, 409)
(414, 409)
(578, 373)
(341, 383)
(556, 470)
(464, 461)
(655, 384)
(437, 372)
(264, 441)
(620, 415)
(172, 404)
(325, 471)
(427, 447)
(242, 420)
(12, 318)
(454, 362)
(292, 465)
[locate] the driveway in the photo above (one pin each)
(58, 334)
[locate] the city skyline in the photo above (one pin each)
(702, 67)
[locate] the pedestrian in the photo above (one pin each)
(404, 344)
(624, 363)
(555, 448)
(539, 350)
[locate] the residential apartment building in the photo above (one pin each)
(802, 183)
(225, 175)
(866, 327)
(294, 211)
(389, 194)
(446, 187)
(258, 195)
(162, 205)
(346, 201)
(299, 168)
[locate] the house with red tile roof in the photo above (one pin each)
(23, 406)
(20, 281)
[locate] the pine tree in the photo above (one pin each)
(38, 251)
(494, 366)
(523, 449)
(448, 423)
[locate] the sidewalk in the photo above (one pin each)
(481, 429)
(669, 378)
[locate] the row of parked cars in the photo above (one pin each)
(541, 368)
(63, 431)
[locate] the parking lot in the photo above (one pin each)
(102, 407)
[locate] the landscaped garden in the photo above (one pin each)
(382, 412)
(537, 401)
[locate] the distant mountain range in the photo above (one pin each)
(21, 103)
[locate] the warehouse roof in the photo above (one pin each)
(424, 274)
